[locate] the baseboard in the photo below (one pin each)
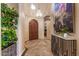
(23, 53)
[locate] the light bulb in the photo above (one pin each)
(33, 7)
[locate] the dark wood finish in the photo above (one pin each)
(62, 47)
(23, 54)
(33, 30)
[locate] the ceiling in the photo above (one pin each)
(44, 7)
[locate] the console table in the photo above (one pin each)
(61, 46)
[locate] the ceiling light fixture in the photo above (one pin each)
(33, 7)
(39, 14)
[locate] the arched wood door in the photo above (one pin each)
(33, 29)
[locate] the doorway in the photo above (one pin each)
(33, 29)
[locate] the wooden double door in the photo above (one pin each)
(33, 29)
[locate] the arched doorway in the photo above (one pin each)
(33, 29)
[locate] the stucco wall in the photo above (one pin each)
(20, 31)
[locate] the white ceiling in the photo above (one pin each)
(44, 7)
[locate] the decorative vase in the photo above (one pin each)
(65, 35)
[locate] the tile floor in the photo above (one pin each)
(39, 47)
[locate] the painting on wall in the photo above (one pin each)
(63, 16)
(59, 7)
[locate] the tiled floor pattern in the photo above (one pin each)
(39, 47)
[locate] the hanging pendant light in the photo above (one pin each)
(39, 13)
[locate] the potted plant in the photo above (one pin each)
(64, 30)
(9, 18)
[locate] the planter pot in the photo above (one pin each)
(10, 51)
